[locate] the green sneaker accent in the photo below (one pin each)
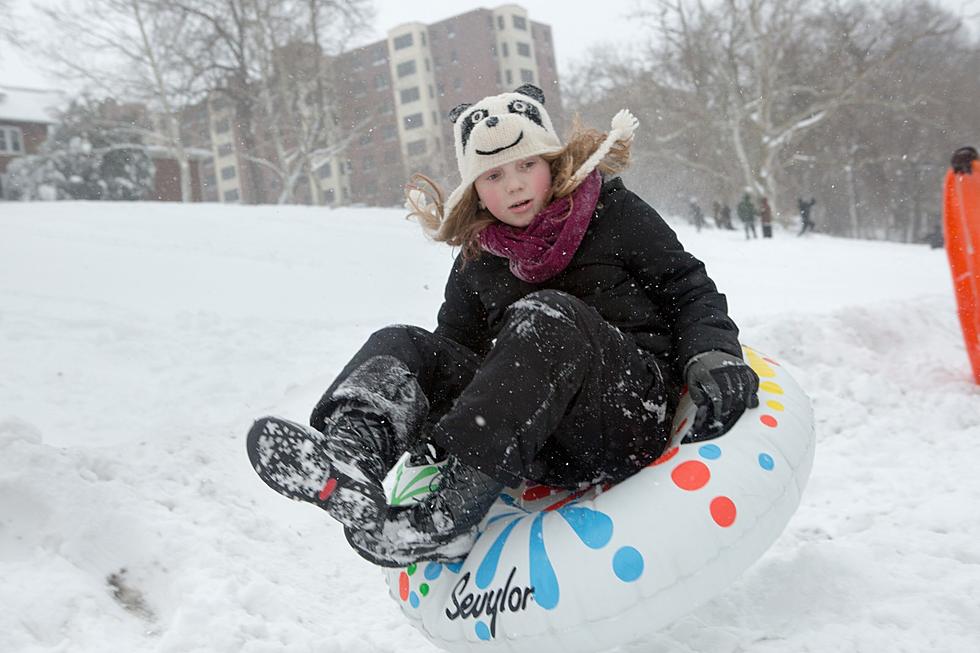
(421, 481)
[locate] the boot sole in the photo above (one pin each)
(291, 459)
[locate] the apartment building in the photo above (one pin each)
(392, 100)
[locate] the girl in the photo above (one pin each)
(572, 319)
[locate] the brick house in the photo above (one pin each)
(26, 115)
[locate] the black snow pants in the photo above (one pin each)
(563, 397)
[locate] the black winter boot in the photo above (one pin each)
(442, 527)
(339, 471)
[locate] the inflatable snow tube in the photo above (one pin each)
(564, 571)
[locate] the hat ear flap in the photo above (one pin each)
(458, 111)
(531, 91)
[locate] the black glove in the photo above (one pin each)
(722, 386)
(963, 159)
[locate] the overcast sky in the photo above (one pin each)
(574, 30)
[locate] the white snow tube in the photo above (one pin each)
(585, 571)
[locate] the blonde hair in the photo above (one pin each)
(462, 227)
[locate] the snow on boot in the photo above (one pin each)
(302, 463)
(440, 527)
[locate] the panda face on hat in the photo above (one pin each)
(500, 129)
(499, 116)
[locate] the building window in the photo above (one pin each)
(225, 149)
(231, 195)
(527, 76)
(409, 94)
(228, 172)
(379, 55)
(390, 132)
(11, 140)
(510, 77)
(403, 41)
(520, 22)
(457, 84)
(325, 171)
(415, 148)
(500, 22)
(222, 126)
(453, 57)
(210, 180)
(406, 68)
(366, 138)
(505, 49)
(428, 68)
(367, 164)
(523, 49)
(413, 121)
(441, 88)
(432, 93)
(380, 82)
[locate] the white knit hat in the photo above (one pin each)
(508, 127)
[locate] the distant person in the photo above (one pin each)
(962, 160)
(805, 207)
(697, 216)
(726, 217)
(716, 214)
(765, 217)
(746, 213)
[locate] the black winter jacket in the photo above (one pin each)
(630, 267)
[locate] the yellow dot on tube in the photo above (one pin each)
(760, 366)
(770, 386)
(775, 405)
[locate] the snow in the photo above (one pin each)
(29, 104)
(138, 342)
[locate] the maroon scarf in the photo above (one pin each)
(545, 247)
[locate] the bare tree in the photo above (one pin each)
(752, 74)
(8, 26)
(855, 103)
(127, 48)
(298, 91)
(267, 57)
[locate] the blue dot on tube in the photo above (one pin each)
(766, 462)
(482, 631)
(710, 451)
(413, 598)
(627, 564)
(432, 571)
(454, 566)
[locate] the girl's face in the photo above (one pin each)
(515, 192)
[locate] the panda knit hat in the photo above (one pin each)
(500, 129)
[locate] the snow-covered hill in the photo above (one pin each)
(138, 341)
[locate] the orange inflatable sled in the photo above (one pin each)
(961, 227)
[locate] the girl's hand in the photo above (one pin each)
(722, 386)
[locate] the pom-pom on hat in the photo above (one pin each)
(500, 129)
